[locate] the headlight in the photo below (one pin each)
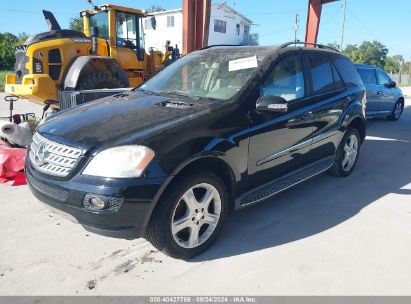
(120, 162)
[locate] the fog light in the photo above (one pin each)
(101, 202)
(97, 203)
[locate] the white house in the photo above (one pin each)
(227, 26)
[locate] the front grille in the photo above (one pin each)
(58, 194)
(52, 158)
(21, 61)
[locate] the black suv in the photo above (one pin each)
(220, 129)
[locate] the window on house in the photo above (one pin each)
(237, 29)
(147, 24)
(170, 21)
(220, 26)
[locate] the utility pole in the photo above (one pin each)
(409, 71)
(400, 72)
(296, 26)
(343, 25)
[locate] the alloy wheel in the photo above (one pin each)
(350, 152)
(398, 110)
(196, 215)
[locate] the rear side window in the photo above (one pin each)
(348, 72)
(367, 76)
(321, 74)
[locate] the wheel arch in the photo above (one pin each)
(210, 163)
(359, 124)
(85, 65)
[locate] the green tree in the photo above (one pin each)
(76, 24)
(368, 52)
(393, 64)
(154, 8)
(352, 52)
(333, 45)
(8, 42)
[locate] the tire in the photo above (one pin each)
(165, 229)
(397, 111)
(346, 160)
(99, 80)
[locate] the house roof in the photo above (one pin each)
(226, 6)
(220, 4)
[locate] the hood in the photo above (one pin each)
(126, 118)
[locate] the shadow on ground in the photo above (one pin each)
(324, 201)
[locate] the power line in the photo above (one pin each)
(277, 32)
(362, 24)
(32, 12)
(275, 13)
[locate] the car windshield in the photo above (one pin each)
(206, 75)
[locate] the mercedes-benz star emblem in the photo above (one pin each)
(40, 155)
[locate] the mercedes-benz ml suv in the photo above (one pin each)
(220, 129)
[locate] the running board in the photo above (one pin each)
(272, 188)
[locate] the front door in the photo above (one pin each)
(280, 142)
(386, 91)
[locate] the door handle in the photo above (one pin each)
(380, 93)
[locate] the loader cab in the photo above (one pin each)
(122, 30)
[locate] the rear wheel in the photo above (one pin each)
(189, 217)
(99, 80)
(347, 153)
(397, 111)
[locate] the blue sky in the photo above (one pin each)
(386, 21)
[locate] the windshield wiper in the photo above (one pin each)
(144, 91)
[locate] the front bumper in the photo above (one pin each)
(128, 221)
(37, 87)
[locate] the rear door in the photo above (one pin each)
(328, 92)
(369, 78)
(386, 91)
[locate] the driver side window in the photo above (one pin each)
(286, 80)
(383, 78)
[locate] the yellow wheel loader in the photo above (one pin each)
(109, 54)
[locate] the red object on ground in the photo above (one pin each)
(12, 164)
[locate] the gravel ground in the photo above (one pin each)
(327, 236)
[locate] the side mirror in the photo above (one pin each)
(391, 84)
(269, 103)
(153, 22)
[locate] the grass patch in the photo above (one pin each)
(3, 79)
(404, 85)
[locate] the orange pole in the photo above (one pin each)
(313, 19)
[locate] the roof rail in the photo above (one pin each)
(217, 45)
(320, 46)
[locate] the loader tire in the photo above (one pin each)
(99, 80)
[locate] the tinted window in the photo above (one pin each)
(321, 74)
(383, 78)
(348, 72)
(285, 80)
(338, 82)
(367, 76)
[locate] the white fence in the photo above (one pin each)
(405, 78)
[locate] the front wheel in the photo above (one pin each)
(347, 153)
(397, 111)
(189, 216)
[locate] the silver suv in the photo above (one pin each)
(384, 98)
